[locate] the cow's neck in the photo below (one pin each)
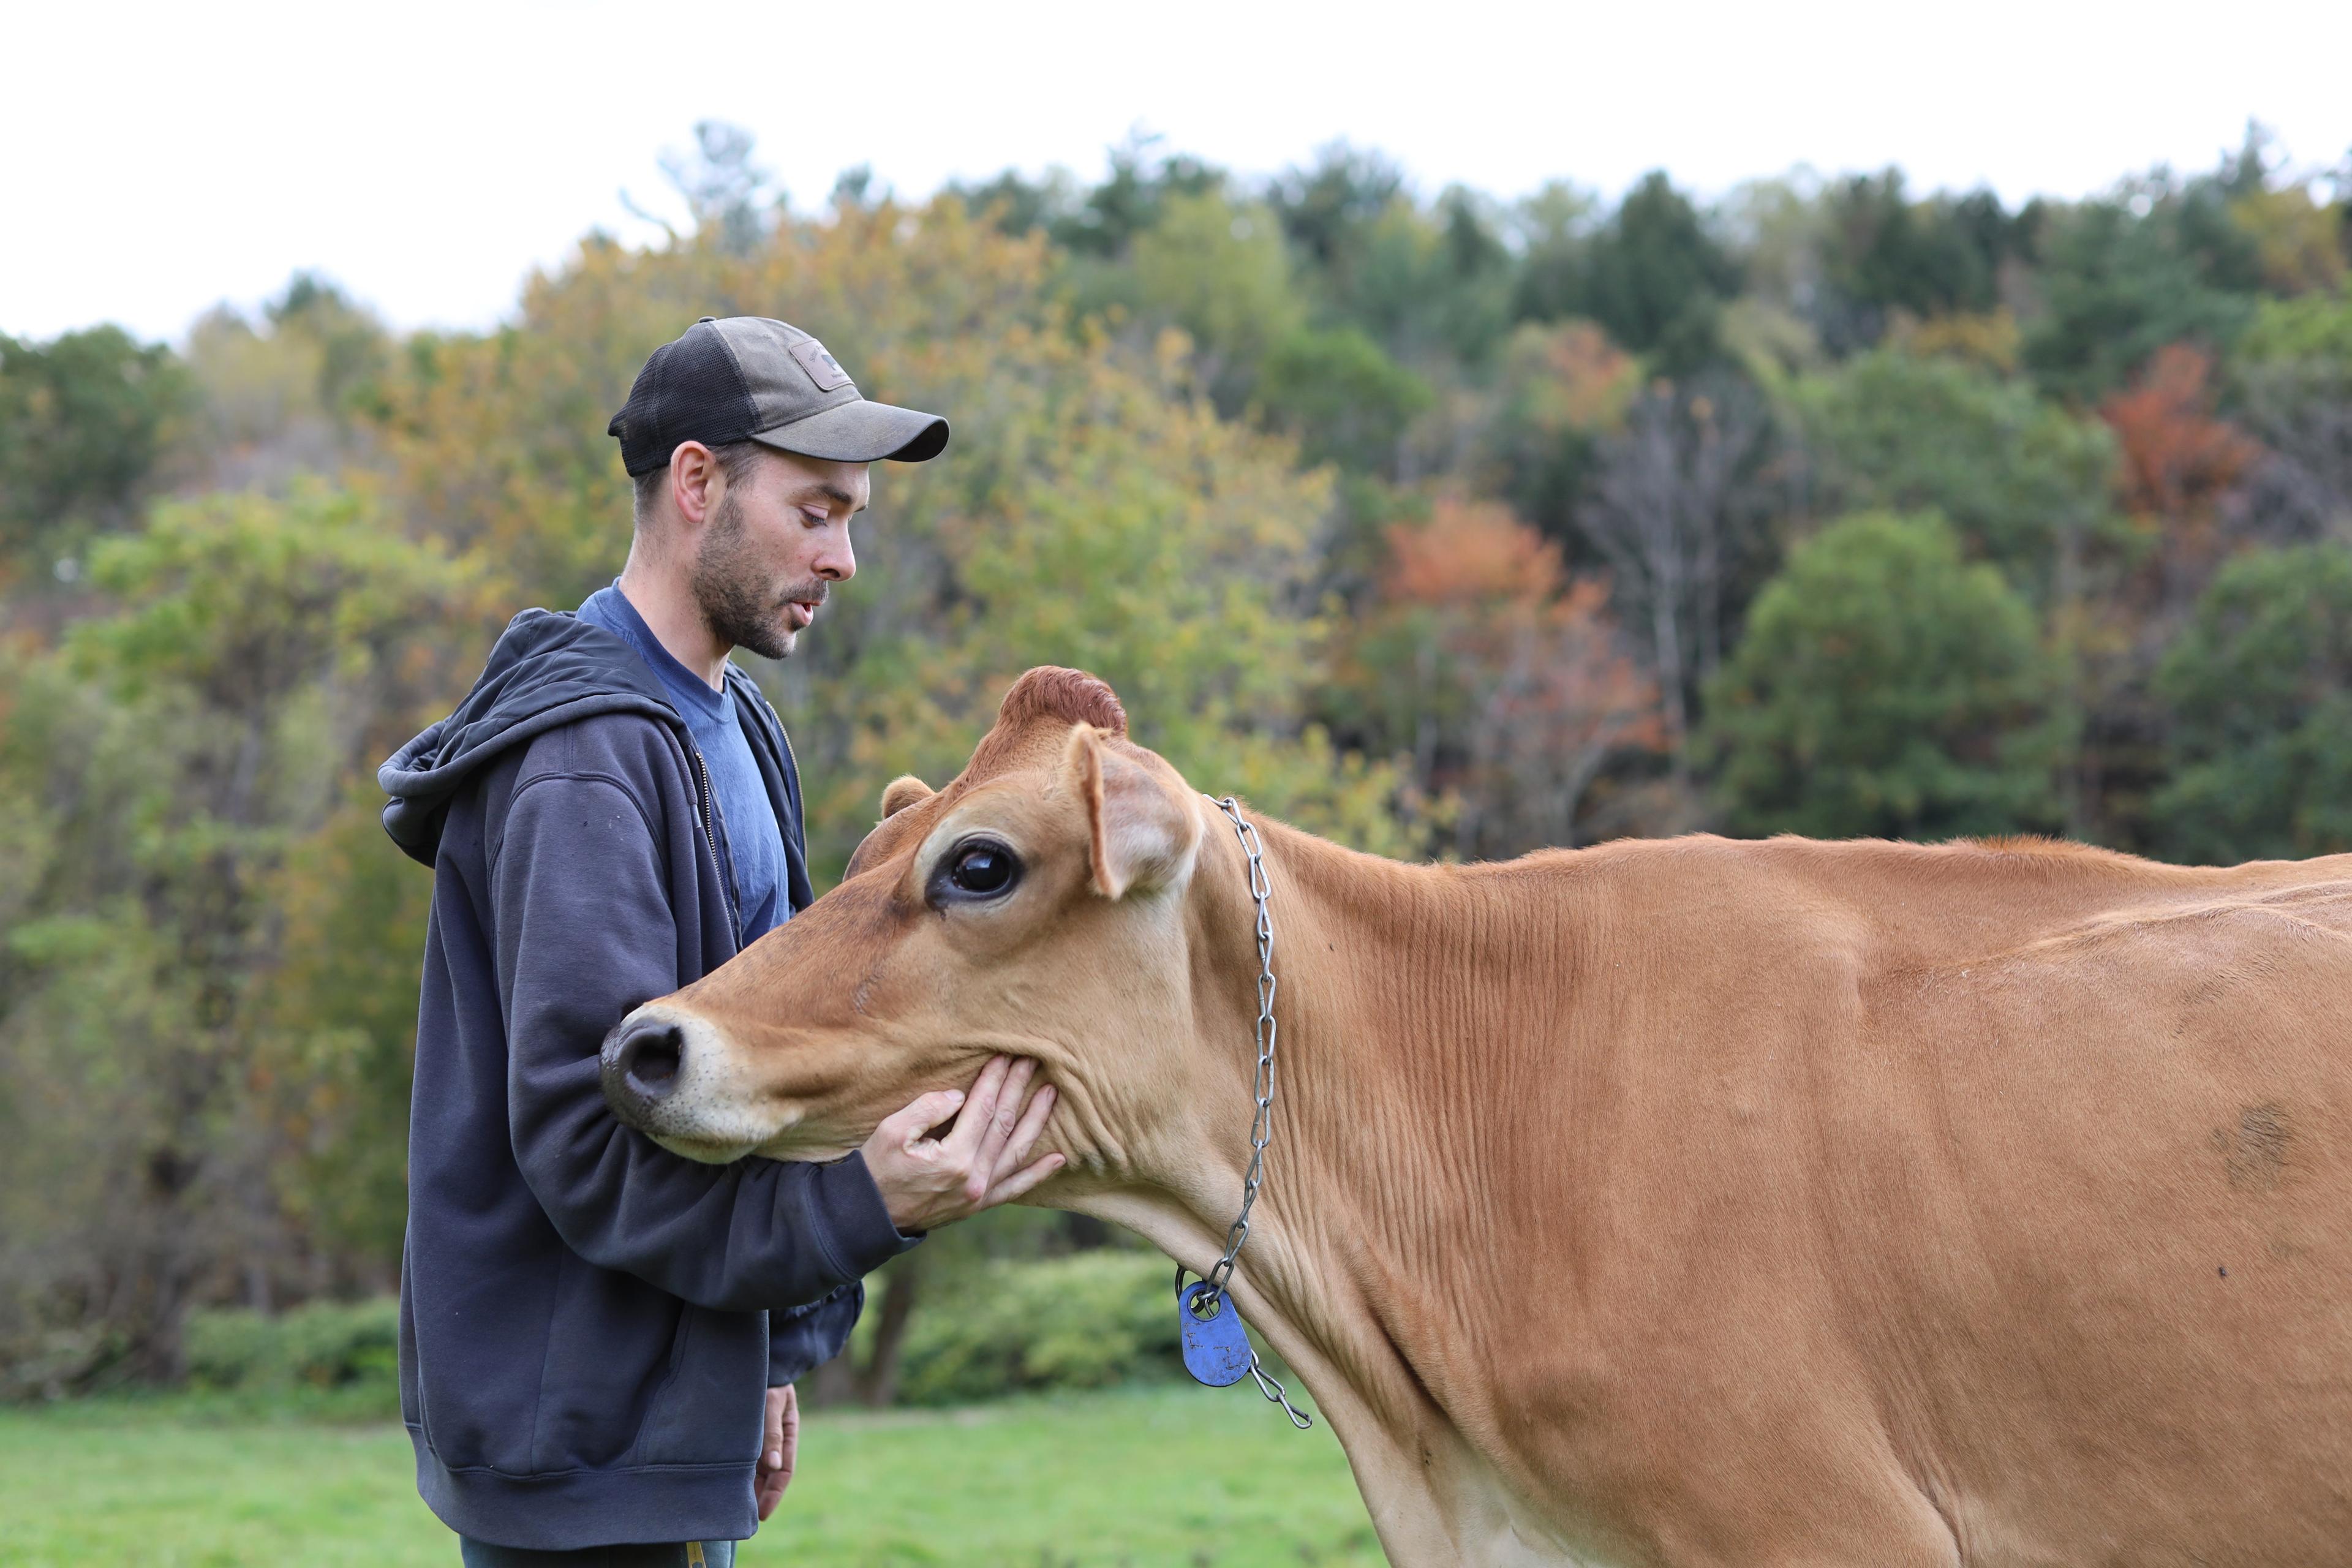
(1372, 1231)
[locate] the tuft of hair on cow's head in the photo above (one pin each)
(1072, 696)
(1048, 699)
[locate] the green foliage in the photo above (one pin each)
(83, 419)
(1084, 1321)
(1330, 210)
(1934, 257)
(2260, 688)
(334, 1035)
(1886, 687)
(1902, 432)
(327, 1345)
(236, 601)
(1347, 402)
(288, 390)
(173, 754)
(1133, 200)
(1221, 273)
(1656, 280)
(2119, 286)
(1434, 288)
(2311, 329)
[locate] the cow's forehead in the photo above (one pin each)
(1032, 729)
(1033, 754)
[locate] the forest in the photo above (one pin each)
(1443, 525)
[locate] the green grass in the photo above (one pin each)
(1180, 1476)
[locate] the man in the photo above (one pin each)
(588, 1322)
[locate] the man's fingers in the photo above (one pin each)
(1009, 1098)
(1021, 1181)
(1024, 1137)
(978, 1109)
(791, 1446)
(779, 1448)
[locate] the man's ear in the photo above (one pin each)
(902, 791)
(1139, 834)
(694, 479)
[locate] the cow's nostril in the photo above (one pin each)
(649, 1057)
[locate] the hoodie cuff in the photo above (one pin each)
(850, 1219)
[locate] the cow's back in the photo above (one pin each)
(2021, 1178)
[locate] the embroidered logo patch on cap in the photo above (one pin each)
(822, 367)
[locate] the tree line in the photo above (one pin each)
(1443, 525)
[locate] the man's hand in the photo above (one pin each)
(780, 1448)
(929, 1182)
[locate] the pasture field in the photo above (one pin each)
(1156, 1475)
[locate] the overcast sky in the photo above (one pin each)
(157, 159)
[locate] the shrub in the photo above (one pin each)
(323, 1346)
(1081, 1322)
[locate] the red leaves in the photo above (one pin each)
(2176, 459)
(1543, 690)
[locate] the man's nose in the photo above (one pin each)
(642, 1059)
(837, 560)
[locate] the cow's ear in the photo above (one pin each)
(902, 791)
(1139, 834)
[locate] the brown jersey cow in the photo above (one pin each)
(1682, 1202)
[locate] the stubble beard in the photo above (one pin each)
(728, 587)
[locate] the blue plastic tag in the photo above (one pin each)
(1216, 1347)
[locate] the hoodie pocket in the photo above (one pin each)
(710, 1410)
(615, 1344)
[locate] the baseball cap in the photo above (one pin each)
(748, 378)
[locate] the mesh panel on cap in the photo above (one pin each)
(690, 390)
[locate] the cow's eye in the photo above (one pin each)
(981, 869)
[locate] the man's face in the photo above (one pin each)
(775, 545)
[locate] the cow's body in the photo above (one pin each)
(1706, 1202)
(1683, 1202)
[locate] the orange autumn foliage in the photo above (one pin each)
(1467, 553)
(2177, 458)
(1544, 691)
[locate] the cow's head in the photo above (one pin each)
(1036, 906)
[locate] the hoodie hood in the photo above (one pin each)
(548, 669)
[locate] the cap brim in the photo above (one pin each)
(861, 432)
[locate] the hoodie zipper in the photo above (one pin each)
(711, 836)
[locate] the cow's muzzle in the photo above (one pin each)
(671, 1076)
(642, 1060)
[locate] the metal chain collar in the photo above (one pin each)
(1221, 1274)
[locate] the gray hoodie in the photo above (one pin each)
(589, 1322)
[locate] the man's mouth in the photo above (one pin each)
(800, 612)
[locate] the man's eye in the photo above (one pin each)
(815, 519)
(983, 869)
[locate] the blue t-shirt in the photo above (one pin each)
(747, 816)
